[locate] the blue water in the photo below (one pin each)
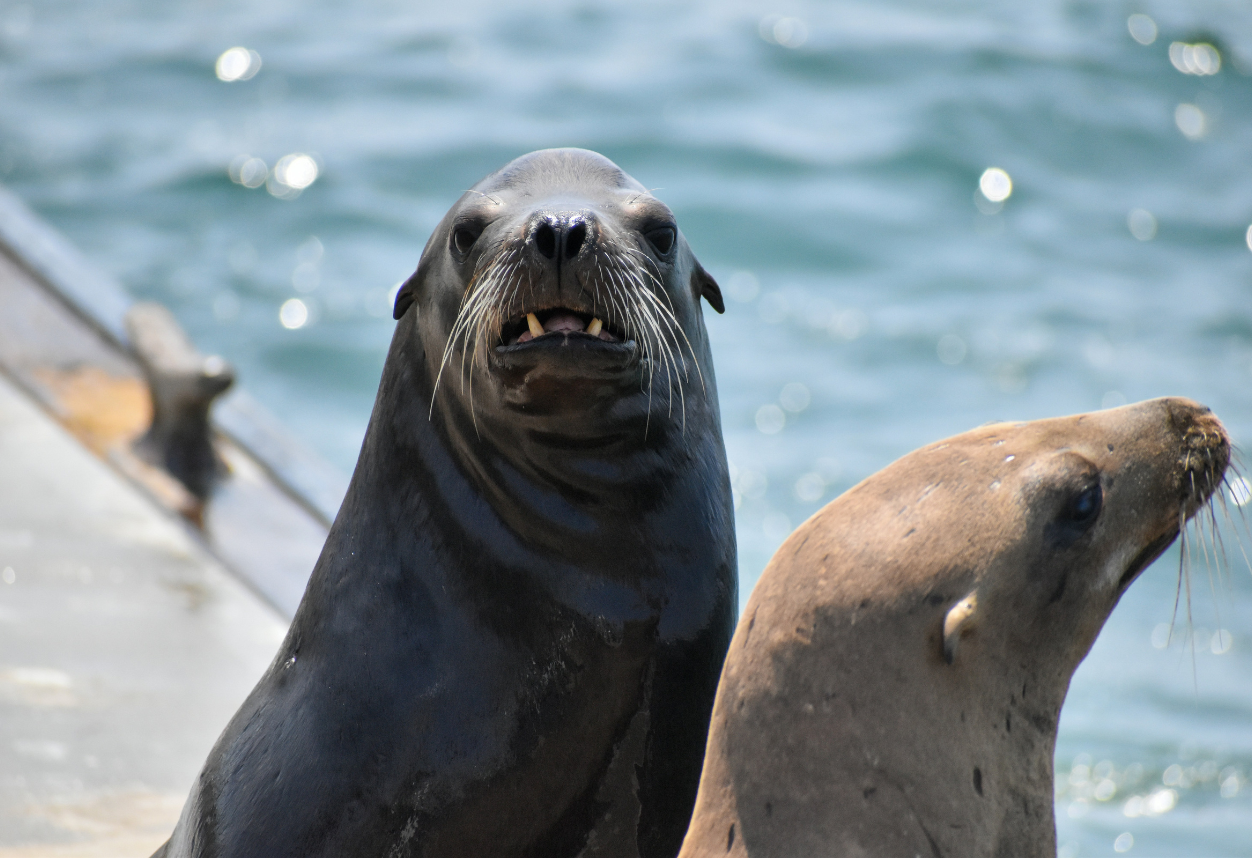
(823, 160)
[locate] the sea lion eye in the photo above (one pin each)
(662, 239)
(464, 236)
(1083, 509)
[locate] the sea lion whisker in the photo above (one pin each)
(466, 347)
(648, 263)
(654, 274)
(666, 316)
(1204, 546)
(443, 363)
(1230, 518)
(637, 320)
(668, 313)
(1183, 553)
(1219, 541)
(1219, 544)
(480, 314)
(514, 288)
(623, 317)
(673, 359)
(1219, 553)
(1191, 630)
(1187, 561)
(595, 293)
(482, 276)
(616, 285)
(619, 313)
(641, 296)
(633, 324)
(644, 317)
(490, 318)
(471, 318)
(640, 322)
(481, 194)
(665, 353)
(647, 317)
(476, 294)
(611, 286)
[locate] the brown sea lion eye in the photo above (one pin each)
(464, 236)
(1083, 509)
(1080, 503)
(662, 239)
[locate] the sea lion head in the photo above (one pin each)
(1074, 510)
(895, 684)
(559, 287)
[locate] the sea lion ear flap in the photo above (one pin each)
(958, 622)
(704, 285)
(405, 296)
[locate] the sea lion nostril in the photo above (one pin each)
(545, 240)
(574, 240)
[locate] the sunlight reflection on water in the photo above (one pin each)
(925, 218)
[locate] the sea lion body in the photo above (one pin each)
(511, 642)
(895, 683)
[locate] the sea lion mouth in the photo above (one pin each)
(616, 319)
(558, 323)
(1145, 557)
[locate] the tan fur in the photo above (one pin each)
(840, 728)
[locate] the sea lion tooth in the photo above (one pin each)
(532, 321)
(958, 621)
(594, 326)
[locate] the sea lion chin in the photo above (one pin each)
(511, 642)
(895, 683)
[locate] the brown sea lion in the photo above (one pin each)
(894, 685)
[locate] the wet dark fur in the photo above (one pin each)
(511, 642)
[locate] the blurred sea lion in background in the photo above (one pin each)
(511, 642)
(895, 683)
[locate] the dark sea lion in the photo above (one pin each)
(894, 686)
(511, 642)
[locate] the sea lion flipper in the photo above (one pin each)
(958, 621)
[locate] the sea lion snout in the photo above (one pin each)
(1169, 456)
(1205, 453)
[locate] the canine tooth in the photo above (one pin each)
(536, 329)
(594, 327)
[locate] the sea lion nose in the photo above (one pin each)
(1204, 449)
(561, 235)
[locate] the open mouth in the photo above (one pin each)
(557, 322)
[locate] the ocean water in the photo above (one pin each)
(824, 161)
